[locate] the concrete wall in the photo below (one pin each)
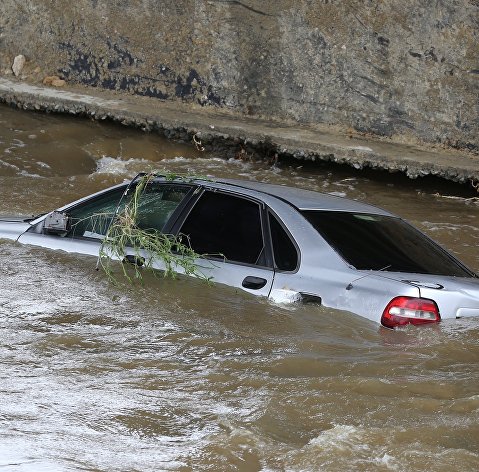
(405, 68)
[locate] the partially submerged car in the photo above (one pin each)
(280, 242)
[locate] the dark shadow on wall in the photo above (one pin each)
(111, 73)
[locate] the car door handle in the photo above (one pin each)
(135, 260)
(254, 283)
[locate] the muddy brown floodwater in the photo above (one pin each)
(178, 375)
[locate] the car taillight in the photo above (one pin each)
(407, 310)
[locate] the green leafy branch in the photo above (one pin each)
(126, 242)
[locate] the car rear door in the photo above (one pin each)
(229, 231)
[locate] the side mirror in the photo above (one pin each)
(57, 222)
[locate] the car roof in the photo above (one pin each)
(303, 199)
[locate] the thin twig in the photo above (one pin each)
(198, 144)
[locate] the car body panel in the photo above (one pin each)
(321, 274)
(231, 274)
(217, 270)
(50, 241)
(305, 199)
(366, 295)
(13, 227)
(456, 297)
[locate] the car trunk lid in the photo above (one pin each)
(456, 297)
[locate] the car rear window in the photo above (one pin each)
(376, 242)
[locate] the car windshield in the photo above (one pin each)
(377, 242)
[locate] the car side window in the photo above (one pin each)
(226, 226)
(156, 204)
(284, 250)
(92, 218)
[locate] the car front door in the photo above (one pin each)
(228, 231)
(91, 219)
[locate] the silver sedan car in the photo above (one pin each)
(280, 242)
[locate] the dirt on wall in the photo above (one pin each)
(407, 70)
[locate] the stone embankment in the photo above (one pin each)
(237, 135)
(405, 70)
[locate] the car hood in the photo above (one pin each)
(11, 227)
(456, 297)
(14, 218)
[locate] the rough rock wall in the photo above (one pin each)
(408, 68)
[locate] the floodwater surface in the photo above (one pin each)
(183, 376)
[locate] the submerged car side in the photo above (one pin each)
(283, 243)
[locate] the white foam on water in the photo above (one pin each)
(17, 455)
(360, 148)
(285, 296)
(24, 173)
(112, 165)
(43, 164)
(339, 437)
(177, 164)
(15, 144)
(448, 226)
(351, 445)
(7, 164)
